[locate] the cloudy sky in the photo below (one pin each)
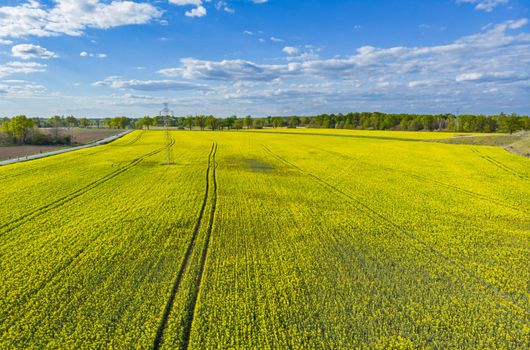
(98, 58)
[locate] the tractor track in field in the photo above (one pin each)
(454, 187)
(9, 226)
(377, 216)
(213, 211)
(135, 139)
(499, 165)
(210, 172)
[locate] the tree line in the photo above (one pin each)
(21, 130)
(364, 120)
(422, 122)
(24, 130)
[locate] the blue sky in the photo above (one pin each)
(99, 58)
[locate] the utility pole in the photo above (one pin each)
(165, 112)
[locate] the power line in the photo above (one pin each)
(165, 113)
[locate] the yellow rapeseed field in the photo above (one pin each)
(285, 238)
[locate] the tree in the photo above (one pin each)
(510, 123)
(257, 124)
(56, 122)
(19, 128)
(212, 122)
(84, 122)
(238, 124)
(247, 122)
(277, 122)
(230, 121)
(200, 121)
(189, 121)
(71, 121)
(146, 121)
(294, 122)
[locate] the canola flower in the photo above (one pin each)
(274, 239)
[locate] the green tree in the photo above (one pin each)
(84, 122)
(71, 121)
(510, 123)
(294, 122)
(19, 128)
(277, 122)
(257, 124)
(230, 121)
(212, 122)
(238, 124)
(247, 122)
(200, 121)
(189, 121)
(146, 121)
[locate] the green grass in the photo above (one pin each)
(273, 239)
(517, 143)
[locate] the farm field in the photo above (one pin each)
(267, 239)
(79, 136)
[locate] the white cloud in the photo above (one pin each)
(276, 40)
(308, 52)
(497, 77)
(290, 50)
(259, 1)
(11, 68)
(94, 55)
(20, 88)
(27, 51)
(5, 42)
(223, 5)
(248, 32)
(71, 17)
(419, 83)
(469, 76)
(147, 85)
(186, 2)
(226, 70)
(199, 11)
(484, 5)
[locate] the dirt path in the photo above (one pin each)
(51, 150)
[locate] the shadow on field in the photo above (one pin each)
(252, 164)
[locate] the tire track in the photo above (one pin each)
(425, 178)
(500, 165)
(187, 256)
(55, 272)
(134, 140)
(378, 217)
(213, 210)
(10, 226)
